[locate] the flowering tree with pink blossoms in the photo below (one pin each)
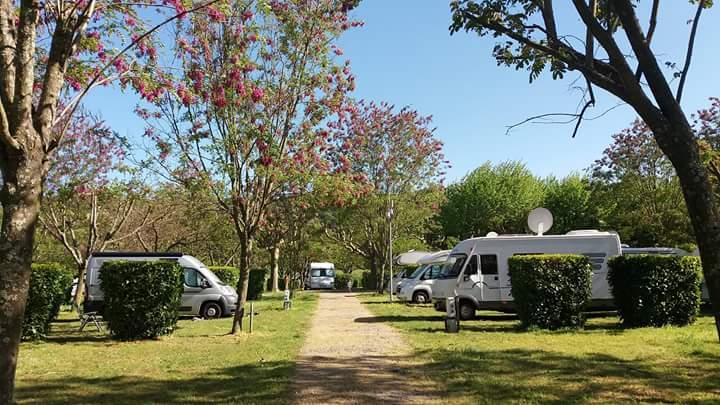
(52, 51)
(256, 84)
(396, 154)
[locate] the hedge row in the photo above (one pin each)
(359, 277)
(256, 284)
(49, 285)
(227, 274)
(551, 291)
(142, 299)
(656, 290)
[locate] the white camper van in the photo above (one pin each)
(204, 294)
(418, 286)
(477, 269)
(320, 275)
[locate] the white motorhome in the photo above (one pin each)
(204, 294)
(477, 269)
(407, 261)
(418, 286)
(320, 275)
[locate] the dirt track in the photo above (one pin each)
(349, 357)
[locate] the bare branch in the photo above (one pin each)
(691, 45)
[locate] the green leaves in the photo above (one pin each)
(142, 299)
(551, 291)
(49, 287)
(656, 290)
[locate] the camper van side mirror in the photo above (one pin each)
(205, 284)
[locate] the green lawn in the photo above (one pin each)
(198, 363)
(490, 360)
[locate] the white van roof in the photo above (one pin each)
(321, 265)
(410, 258)
(437, 257)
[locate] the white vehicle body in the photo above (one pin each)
(320, 276)
(477, 269)
(407, 259)
(204, 294)
(418, 287)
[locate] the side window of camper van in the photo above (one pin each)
(193, 278)
(472, 266)
(488, 264)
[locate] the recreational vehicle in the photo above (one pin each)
(408, 262)
(204, 294)
(418, 286)
(476, 270)
(320, 275)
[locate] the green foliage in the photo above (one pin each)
(49, 285)
(227, 274)
(491, 198)
(551, 291)
(656, 290)
(369, 280)
(570, 200)
(256, 284)
(358, 277)
(142, 299)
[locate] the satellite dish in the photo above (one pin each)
(491, 235)
(540, 220)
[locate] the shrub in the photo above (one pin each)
(656, 290)
(369, 280)
(358, 277)
(256, 284)
(227, 274)
(142, 299)
(551, 291)
(49, 284)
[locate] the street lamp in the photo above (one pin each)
(390, 215)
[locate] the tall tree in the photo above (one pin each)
(48, 49)
(533, 39)
(395, 153)
(571, 201)
(256, 84)
(491, 199)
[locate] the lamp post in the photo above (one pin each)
(390, 214)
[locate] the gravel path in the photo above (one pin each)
(348, 357)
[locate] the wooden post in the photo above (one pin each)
(252, 315)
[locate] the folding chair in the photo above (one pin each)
(89, 317)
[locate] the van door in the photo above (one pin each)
(471, 283)
(194, 294)
(490, 277)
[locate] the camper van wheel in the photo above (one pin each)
(421, 297)
(467, 310)
(211, 310)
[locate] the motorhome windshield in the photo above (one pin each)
(322, 273)
(418, 271)
(452, 266)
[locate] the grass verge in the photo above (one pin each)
(492, 361)
(200, 362)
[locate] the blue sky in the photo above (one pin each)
(405, 55)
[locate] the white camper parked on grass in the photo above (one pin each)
(477, 269)
(418, 286)
(204, 294)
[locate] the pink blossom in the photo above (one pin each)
(247, 15)
(257, 94)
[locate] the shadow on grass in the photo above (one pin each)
(526, 375)
(267, 382)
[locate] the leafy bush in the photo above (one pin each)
(358, 277)
(656, 290)
(256, 284)
(142, 299)
(551, 291)
(227, 274)
(49, 284)
(369, 280)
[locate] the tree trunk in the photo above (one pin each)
(79, 297)
(681, 147)
(275, 265)
(20, 196)
(242, 287)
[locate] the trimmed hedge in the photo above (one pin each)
(358, 277)
(656, 290)
(256, 284)
(49, 285)
(227, 274)
(142, 299)
(551, 291)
